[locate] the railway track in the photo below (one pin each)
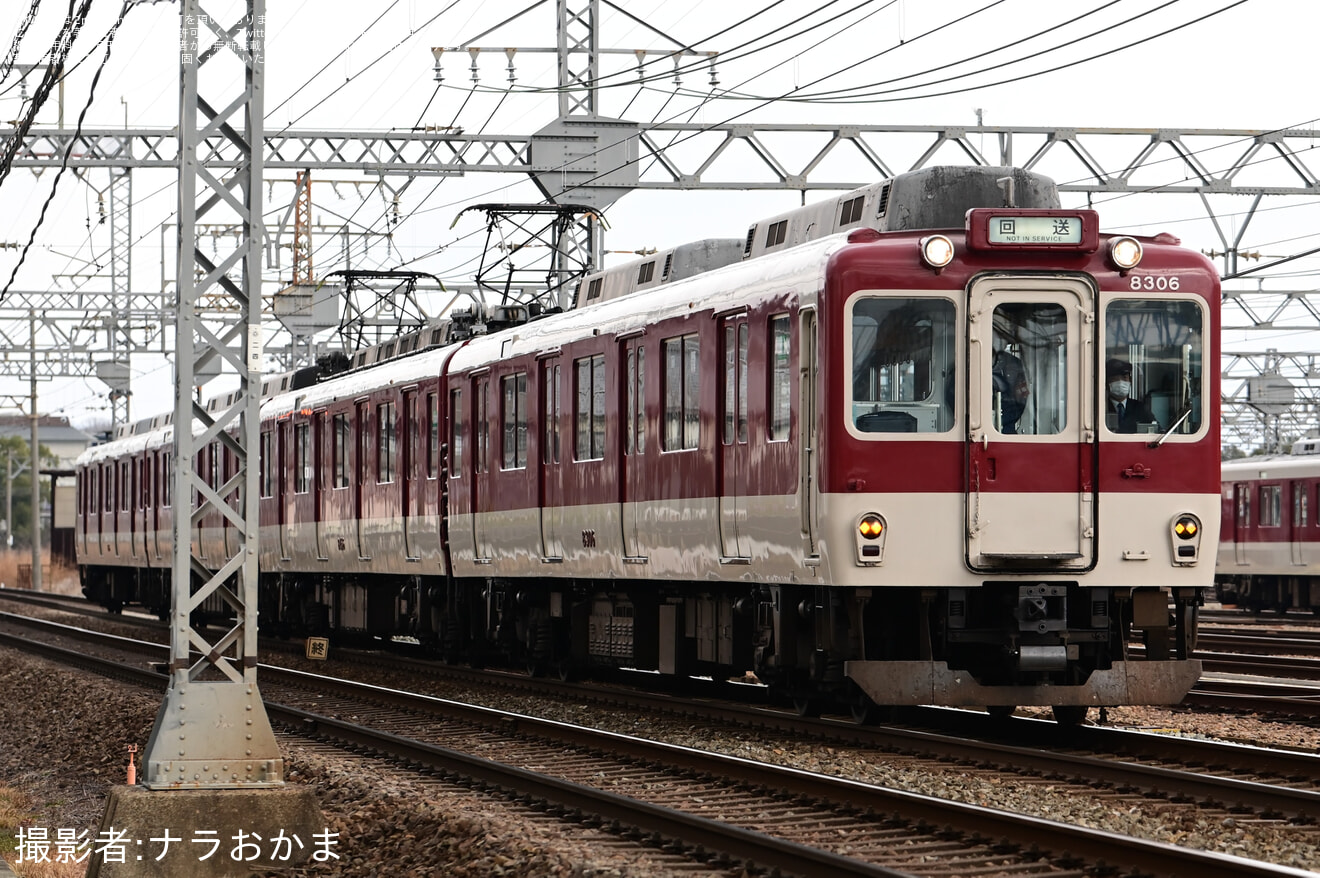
(968, 828)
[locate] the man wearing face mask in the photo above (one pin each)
(1123, 413)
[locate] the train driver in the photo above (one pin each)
(1123, 413)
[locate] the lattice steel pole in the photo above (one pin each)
(212, 732)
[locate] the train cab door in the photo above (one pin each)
(552, 477)
(1301, 515)
(734, 539)
(1031, 425)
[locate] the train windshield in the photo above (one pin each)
(1153, 366)
(902, 364)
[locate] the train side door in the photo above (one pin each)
(410, 473)
(1241, 521)
(734, 539)
(285, 461)
(360, 472)
(1031, 425)
(1301, 516)
(634, 446)
(482, 501)
(322, 458)
(552, 479)
(807, 421)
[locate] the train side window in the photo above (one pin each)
(590, 375)
(779, 378)
(682, 380)
(1161, 342)
(514, 398)
(902, 360)
(387, 443)
(776, 233)
(1270, 505)
(456, 423)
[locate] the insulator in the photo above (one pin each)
(714, 79)
(512, 74)
(476, 75)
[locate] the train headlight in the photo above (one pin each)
(936, 251)
(1185, 540)
(871, 531)
(1125, 252)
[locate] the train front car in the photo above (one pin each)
(1019, 448)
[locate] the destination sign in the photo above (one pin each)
(1035, 229)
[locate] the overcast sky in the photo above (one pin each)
(369, 66)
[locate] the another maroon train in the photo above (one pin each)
(866, 455)
(1269, 551)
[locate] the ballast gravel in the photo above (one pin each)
(64, 737)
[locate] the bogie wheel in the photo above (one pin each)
(1069, 714)
(566, 671)
(865, 712)
(807, 706)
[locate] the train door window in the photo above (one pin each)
(1299, 513)
(267, 465)
(387, 443)
(1154, 357)
(635, 420)
(590, 372)
(779, 378)
(123, 487)
(302, 458)
(342, 439)
(550, 449)
(481, 418)
(513, 395)
(735, 382)
(456, 424)
(144, 483)
(167, 477)
(108, 486)
(1029, 369)
(432, 434)
(902, 360)
(1270, 505)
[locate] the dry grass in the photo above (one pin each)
(16, 809)
(58, 578)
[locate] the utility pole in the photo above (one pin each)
(35, 457)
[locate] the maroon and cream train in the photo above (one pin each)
(1269, 548)
(868, 460)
